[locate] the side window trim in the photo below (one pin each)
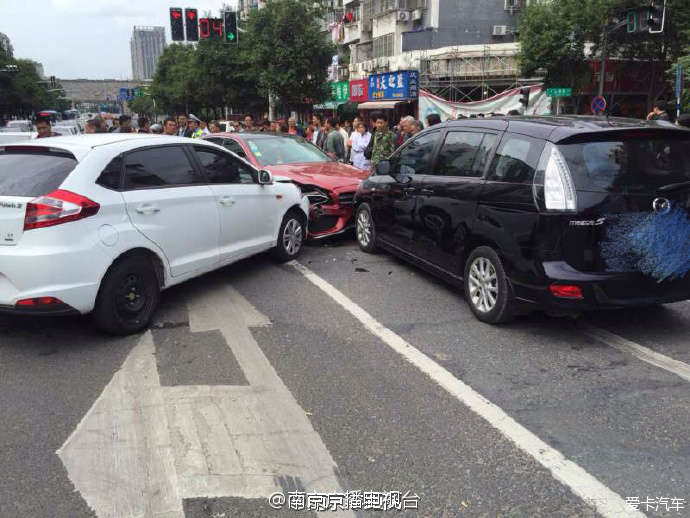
(167, 186)
(121, 180)
(431, 164)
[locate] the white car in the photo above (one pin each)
(103, 223)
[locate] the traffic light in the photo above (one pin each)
(656, 16)
(524, 97)
(231, 33)
(176, 24)
(191, 24)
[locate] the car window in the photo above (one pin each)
(232, 145)
(516, 159)
(33, 173)
(414, 158)
(464, 153)
(284, 150)
(111, 176)
(158, 167)
(223, 168)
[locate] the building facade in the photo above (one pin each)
(6, 45)
(147, 44)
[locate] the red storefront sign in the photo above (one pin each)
(359, 91)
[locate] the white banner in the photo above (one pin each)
(539, 104)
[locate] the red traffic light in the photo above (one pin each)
(176, 14)
(191, 13)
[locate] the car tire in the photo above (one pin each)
(365, 229)
(290, 237)
(128, 297)
(487, 289)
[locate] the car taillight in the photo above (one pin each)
(39, 301)
(558, 188)
(56, 208)
(563, 291)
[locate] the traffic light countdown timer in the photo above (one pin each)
(202, 28)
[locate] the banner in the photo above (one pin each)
(539, 104)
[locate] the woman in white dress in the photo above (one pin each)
(360, 141)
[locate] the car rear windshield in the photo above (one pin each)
(33, 174)
(284, 150)
(634, 163)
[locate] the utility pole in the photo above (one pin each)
(604, 41)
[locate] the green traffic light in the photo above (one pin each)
(231, 36)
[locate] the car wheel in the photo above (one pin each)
(290, 237)
(128, 297)
(487, 289)
(366, 231)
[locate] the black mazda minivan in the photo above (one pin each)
(554, 213)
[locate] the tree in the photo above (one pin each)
(287, 52)
(143, 105)
(175, 81)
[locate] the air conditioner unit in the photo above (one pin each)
(366, 26)
(382, 62)
(511, 5)
(417, 14)
(401, 4)
(422, 4)
(500, 30)
(368, 66)
(404, 16)
(353, 68)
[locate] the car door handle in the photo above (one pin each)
(409, 190)
(148, 209)
(427, 192)
(227, 201)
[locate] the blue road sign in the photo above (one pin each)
(598, 104)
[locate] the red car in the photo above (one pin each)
(330, 185)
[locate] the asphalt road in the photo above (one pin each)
(292, 384)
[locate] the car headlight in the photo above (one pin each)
(316, 195)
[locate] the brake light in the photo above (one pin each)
(566, 292)
(56, 208)
(559, 190)
(39, 301)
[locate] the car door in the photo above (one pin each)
(396, 207)
(248, 212)
(447, 205)
(168, 202)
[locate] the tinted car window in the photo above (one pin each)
(111, 176)
(33, 174)
(158, 167)
(464, 154)
(516, 159)
(234, 146)
(640, 164)
(414, 158)
(222, 168)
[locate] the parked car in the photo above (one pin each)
(15, 136)
(102, 223)
(330, 185)
(516, 211)
(20, 125)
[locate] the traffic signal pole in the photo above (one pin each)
(604, 45)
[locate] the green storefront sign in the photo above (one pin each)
(559, 92)
(341, 91)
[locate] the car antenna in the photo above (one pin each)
(608, 113)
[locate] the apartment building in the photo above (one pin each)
(147, 44)
(6, 45)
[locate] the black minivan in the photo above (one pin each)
(554, 213)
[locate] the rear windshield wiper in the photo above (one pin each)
(674, 187)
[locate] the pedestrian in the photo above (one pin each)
(346, 138)
(204, 128)
(293, 129)
(125, 124)
(334, 145)
(44, 129)
(194, 126)
(169, 127)
(413, 128)
(214, 127)
(659, 112)
(114, 128)
(273, 127)
(403, 129)
(144, 125)
(383, 141)
(183, 125)
(359, 142)
(310, 131)
(514, 113)
(249, 123)
(318, 137)
(432, 119)
(348, 127)
(156, 129)
(282, 127)
(683, 120)
(92, 126)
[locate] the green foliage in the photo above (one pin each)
(143, 105)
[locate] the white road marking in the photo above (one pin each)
(638, 351)
(607, 502)
(142, 448)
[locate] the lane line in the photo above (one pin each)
(638, 351)
(607, 502)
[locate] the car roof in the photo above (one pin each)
(81, 145)
(557, 127)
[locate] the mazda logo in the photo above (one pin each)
(661, 205)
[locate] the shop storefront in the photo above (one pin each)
(340, 96)
(396, 93)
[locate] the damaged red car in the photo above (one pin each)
(330, 185)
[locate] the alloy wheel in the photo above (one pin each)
(364, 228)
(292, 237)
(483, 284)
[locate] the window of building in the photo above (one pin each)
(383, 46)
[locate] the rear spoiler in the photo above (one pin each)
(661, 132)
(37, 150)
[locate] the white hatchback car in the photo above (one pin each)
(102, 223)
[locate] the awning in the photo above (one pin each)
(381, 105)
(328, 106)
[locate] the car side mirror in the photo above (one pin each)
(265, 177)
(383, 168)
